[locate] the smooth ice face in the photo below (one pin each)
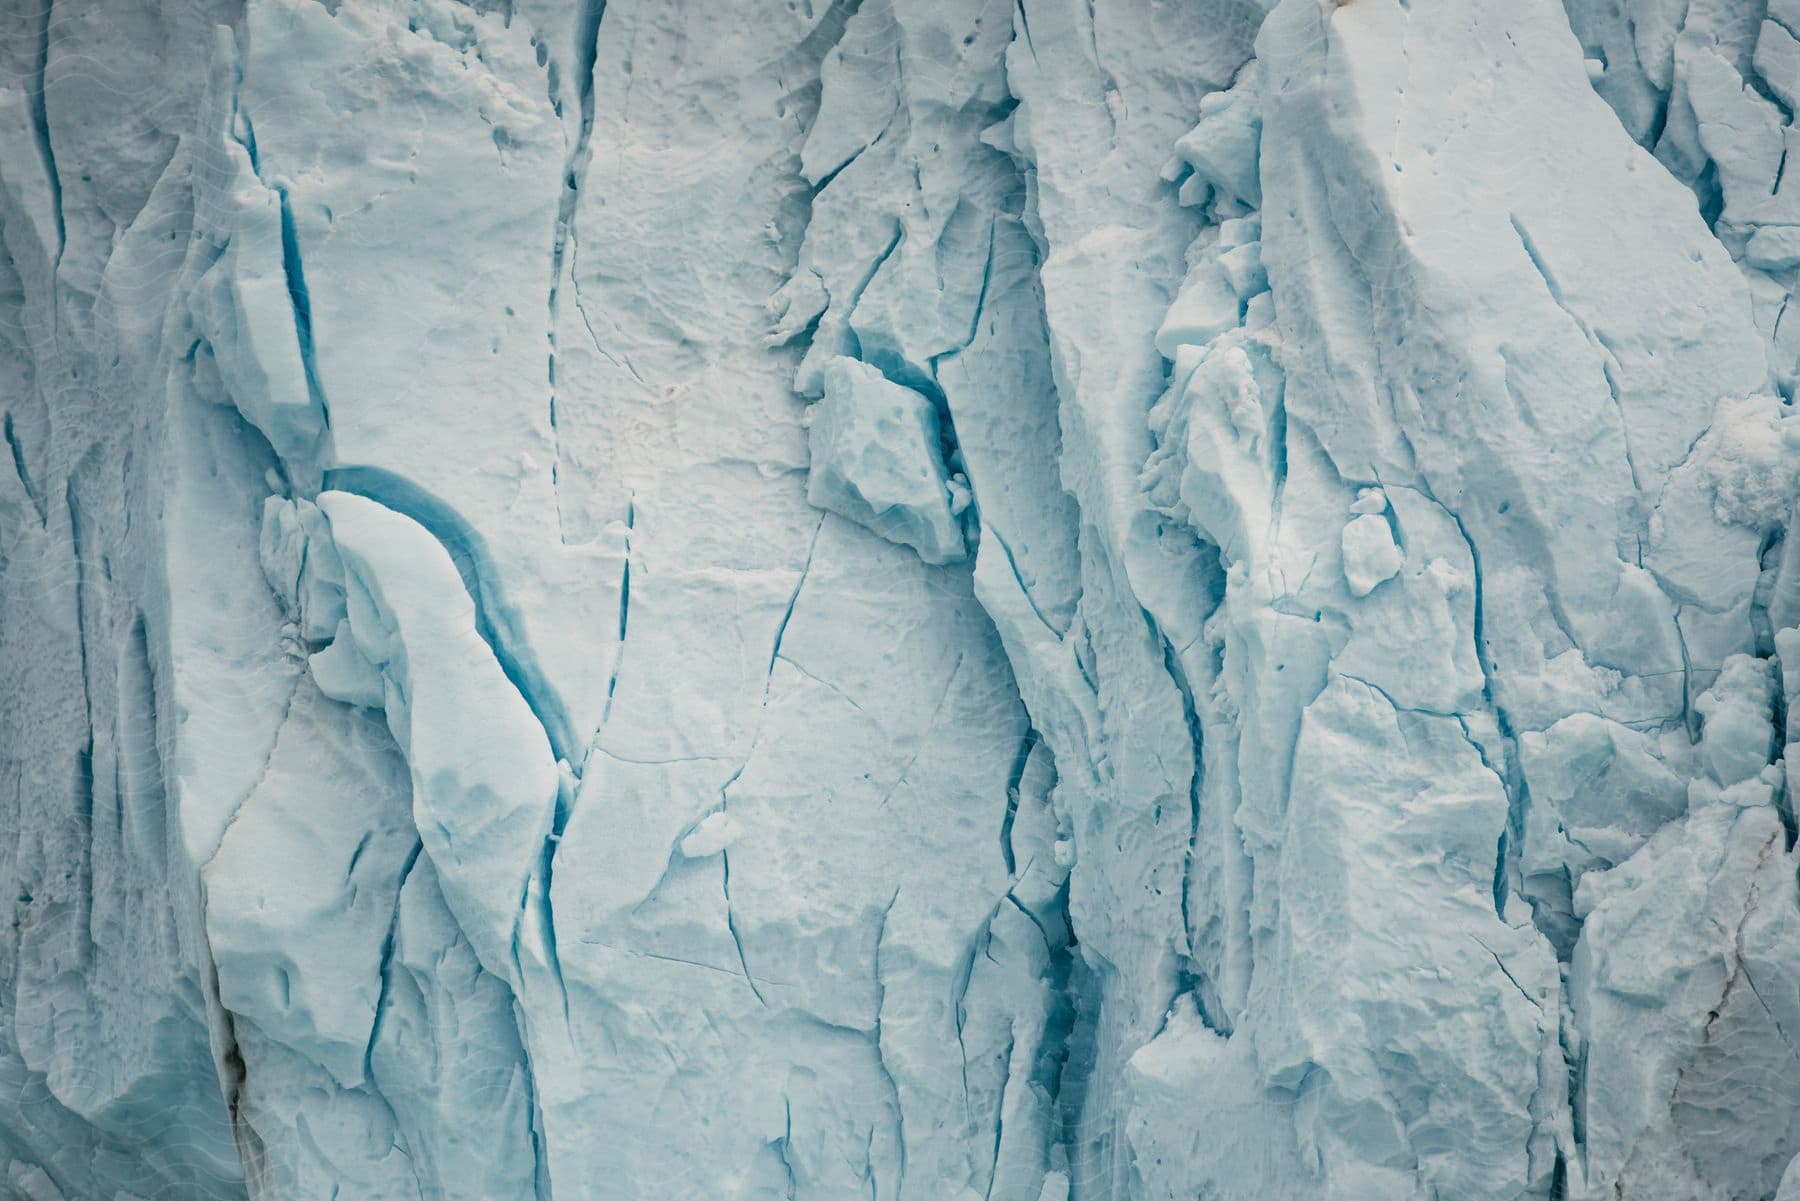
(1060, 601)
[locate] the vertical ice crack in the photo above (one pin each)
(233, 1072)
(1015, 779)
(612, 679)
(574, 175)
(737, 939)
(1739, 973)
(784, 1147)
(1768, 558)
(620, 360)
(1012, 563)
(788, 613)
(1512, 780)
(512, 654)
(18, 457)
(1514, 787)
(541, 1187)
(731, 925)
(555, 443)
(546, 913)
(1000, 1115)
(85, 757)
(1690, 718)
(881, 1062)
(387, 962)
(40, 128)
(959, 995)
(1212, 1011)
(1024, 24)
(294, 269)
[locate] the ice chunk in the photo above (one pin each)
(877, 459)
(343, 673)
(712, 834)
(1221, 150)
(1774, 247)
(1243, 268)
(1597, 796)
(1778, 62)
(1741, 131)
(1370, 555)
(1681, 985)
(1206, 307)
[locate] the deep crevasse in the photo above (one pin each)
(901, 599)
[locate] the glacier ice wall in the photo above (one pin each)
(1040, 601)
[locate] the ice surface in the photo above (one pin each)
(1073, 600)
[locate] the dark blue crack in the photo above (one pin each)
(737, 939)
(981, 296)
(1689, 718)
(40, 129)
(495, 620)
(1196, 739)
(387, 960)
(868, 277)
(1511, 778)
(1025, 26)
(784, 1146)
(361, 848)
(824, 180)
(587, 52)
(1014, 779)
(793, 600)
(1013, 565)
(618, 663)
(559, 822)
(18, 457)
(85, 757)
(301, 300)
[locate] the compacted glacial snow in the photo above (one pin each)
(924, 600)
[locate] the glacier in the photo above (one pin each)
(971, 600)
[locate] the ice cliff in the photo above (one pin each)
(930, 600)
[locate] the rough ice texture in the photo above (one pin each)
(934, 600)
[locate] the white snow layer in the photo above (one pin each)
(931, 600)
